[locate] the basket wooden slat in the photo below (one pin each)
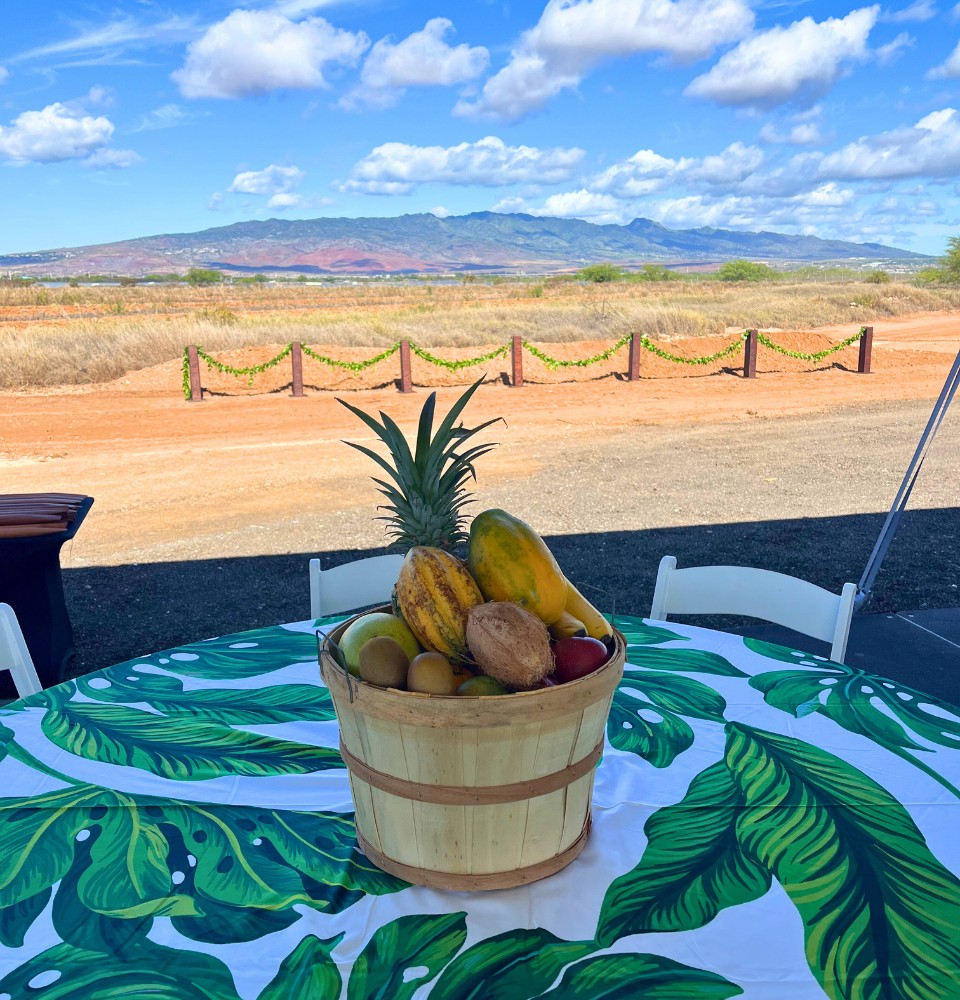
(533, 748)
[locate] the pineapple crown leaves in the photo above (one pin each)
(434, 469)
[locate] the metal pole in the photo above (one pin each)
(890, 525)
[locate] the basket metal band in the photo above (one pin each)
(488, 880)
(459, 795)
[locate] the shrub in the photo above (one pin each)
(218, 315)
(203, 276)
(877, 278)
(600, 272)
(745, 270)
(654, 272)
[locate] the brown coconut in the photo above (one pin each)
(509, 643)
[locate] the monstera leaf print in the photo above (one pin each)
(130, 858)
(692, 868)
(517, 965)
(888, 713)
(520, 963)
(179, 748)
(881, 914)
(646, 714)
(244, 654)
(308, 972)
(652, 977)
(404, 954)
(641, 640)
(260, 705)
(66, 972)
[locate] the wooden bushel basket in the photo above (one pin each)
(472, 793)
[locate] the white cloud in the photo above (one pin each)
(574, 36)
(4, 74)
(440, 212)
(796, 63)
(886, 54)
(646, 171)
(587, 205)
(931, 148)
(397, 168)
(919, 10)
(114, 37)
(287, 200)
(949, 69)
(273, 180)
(55, 133)
(802, 134)
(255, 52)
(421, 59)
(112, 159)
(166, 116)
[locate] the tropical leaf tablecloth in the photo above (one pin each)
(767, 824)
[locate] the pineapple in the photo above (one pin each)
(426, 497)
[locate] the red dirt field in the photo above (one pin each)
(253, 471)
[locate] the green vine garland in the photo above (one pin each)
(455, 366)
(353, 366)
(250, 372)
(815, 355)
(187, 394)
(554, 363)
(705, 360)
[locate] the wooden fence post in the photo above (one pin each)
(866, 350)
(750, 355)
(634, 371)
(406, 376)
(517, 354)
(296, 358)
(193, 364)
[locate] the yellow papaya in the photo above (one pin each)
(435, 592)
(511, 562)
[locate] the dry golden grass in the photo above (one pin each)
(83, 335)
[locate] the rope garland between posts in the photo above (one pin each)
(353, 366)
(815, 355)
(554, 363)
(250, 372)
(455, 366)
(705, 360)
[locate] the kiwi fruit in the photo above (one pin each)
(383, 662)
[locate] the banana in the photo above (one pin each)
(579, 607)
(567, 625)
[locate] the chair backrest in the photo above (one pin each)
(756, 593)
(352, 585)
(14, 655)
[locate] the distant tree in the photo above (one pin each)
(203, 276)
(600, 272)
(745, 270)
(126, 281)
(654, 272)
(950, 262)
(878, 278)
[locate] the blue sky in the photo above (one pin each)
(129, 119)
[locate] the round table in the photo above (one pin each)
(766, 824)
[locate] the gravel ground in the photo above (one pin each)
(804, 495)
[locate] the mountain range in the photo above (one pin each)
(425, 243)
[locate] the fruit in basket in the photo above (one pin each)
(566, 625)
(577, 656)
(481, 687)
(511, 562)
(596, 625)
(509, 644)
(433, 673)
(368, 626)
(435, 593)
(383, 662)
(426, 495)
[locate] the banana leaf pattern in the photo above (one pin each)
(766, 824)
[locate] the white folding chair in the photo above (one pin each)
(757, 593)
(14, 655)
(352, 585)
